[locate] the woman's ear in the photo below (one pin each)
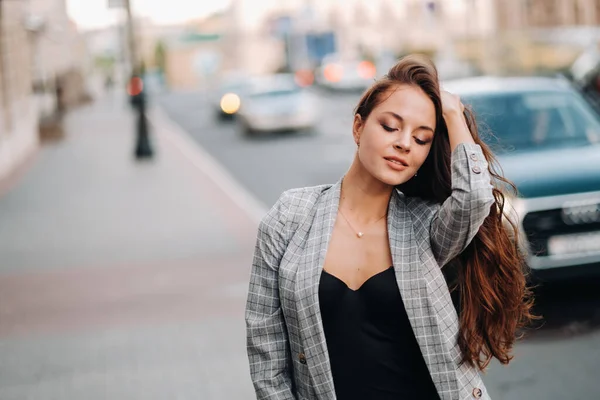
(357, 128)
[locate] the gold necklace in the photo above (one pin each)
(359, 234)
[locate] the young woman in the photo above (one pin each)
(350, 290)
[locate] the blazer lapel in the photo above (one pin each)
(307, 288)
(417, 302)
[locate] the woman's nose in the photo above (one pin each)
(402, 142)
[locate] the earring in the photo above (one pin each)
(416, 173)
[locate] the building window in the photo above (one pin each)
(549, 16)
(536, 12)
(504, 15)
(577, 17)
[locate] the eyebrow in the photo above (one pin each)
(399, 118)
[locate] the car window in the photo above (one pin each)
(276, 93)
(233, 87)
(520, 121)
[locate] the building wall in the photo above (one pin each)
(180, 72)
(525, 38)
(56, 46)
(519, 14)
(489, 30)
(58, 55)
(18, 111)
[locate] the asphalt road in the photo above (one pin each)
(557, 361)
(269, 164)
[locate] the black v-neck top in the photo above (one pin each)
(372, 348)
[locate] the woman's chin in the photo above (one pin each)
(393, 178)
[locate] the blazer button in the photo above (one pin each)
(302, 358)
(477, 393)
(473, 157)
(476, 169)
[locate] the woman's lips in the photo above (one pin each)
(396, 164)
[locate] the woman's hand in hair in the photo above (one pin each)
(453, 112)
(451, 105)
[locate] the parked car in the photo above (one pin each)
(346, 75)
(547, 138)
(277, 103)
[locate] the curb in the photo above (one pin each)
(207, 164)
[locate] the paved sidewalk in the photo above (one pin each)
(121, 279)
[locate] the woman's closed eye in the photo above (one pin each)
(388, 128)
(417, 140)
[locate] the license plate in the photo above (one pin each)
(581, 243)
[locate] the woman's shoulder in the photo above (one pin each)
(291, 208)
(303, 194)
(297, 200)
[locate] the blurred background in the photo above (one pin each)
(141, 141)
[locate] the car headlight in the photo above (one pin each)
(333, 72)
(230, 103)
(514, 209)
(366, 70)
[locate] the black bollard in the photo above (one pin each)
(143, 147)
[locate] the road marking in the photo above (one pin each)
(206, 163)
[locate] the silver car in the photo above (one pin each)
(277, 103)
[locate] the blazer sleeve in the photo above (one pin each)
(458, 219)
(266, 332)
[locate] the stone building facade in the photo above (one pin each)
(18, 111)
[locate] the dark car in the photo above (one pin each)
(547, 138)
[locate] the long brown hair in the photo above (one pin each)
(489, 276)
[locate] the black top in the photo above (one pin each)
(372, 348)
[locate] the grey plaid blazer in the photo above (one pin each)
(285, 338)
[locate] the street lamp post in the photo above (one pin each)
(131, 37)
(137, 91)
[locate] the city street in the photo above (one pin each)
(129, 206)
(556, 361)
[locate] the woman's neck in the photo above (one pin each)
(363, 196)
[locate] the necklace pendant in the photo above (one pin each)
(360, 234)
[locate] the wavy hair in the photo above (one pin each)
(489, 276)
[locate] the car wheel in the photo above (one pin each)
(224, 116)
(307, 130)
(247, 130)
